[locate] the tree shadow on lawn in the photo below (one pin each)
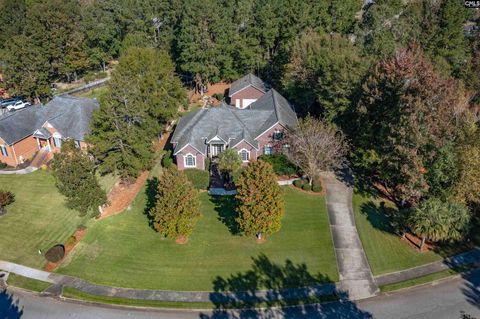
(9, 307)
(380, 216)
(151, 192)
(225, 207)
(289, 285)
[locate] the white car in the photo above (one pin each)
(18, 105)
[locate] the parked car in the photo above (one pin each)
(17, 106)
(7, 102)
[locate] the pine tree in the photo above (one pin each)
(143, 95)
(177, 207)
(75, 178)
(260, 200)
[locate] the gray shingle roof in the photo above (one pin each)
(69, 115)
(232, 124)
(245, 81)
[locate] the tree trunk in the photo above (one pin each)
(259, 236)
(3, 210)
(423, 243)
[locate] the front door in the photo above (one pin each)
(216, 149)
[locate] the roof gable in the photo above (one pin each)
(246, 81)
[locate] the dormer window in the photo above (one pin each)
(277, 135)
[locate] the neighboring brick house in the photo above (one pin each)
(24, 132)
(252, 130)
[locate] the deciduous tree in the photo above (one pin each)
(407, 113)
(260, 204)
(75, 178)
(177, 207)
(316, 146)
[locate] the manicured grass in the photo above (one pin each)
(73, 293)
(386, 252)
(80, 295)
(424, 279)
(124, 251)
(37, 220)
(27, 283)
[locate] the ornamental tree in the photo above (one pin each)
(260, 204)
(229, 161)
(75, 178)
(6, 198)
(316, 146)
(177, 207)
(439, 220)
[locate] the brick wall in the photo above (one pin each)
(199, 158)
(247, 93)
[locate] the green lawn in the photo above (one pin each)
(124, 251)
(27, 283)
(38, 219)
(385, 251)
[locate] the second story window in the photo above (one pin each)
(277, 135)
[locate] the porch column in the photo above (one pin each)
(49, 147)
(38, 143)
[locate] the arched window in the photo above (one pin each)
(244, 155)
(189, 160)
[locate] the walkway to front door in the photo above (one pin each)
(218, 184)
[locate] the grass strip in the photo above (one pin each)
(425, 279)
(27, 283)
(73, 293)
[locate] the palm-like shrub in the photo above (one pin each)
(438, 220)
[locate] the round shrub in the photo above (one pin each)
(306, 187)
(298, 183)
(3, 165)
(199, 178)
(317, 188)
(55, 254)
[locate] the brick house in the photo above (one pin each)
(24, 132)
(252, 127)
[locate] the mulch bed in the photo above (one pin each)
(415, 242)
(121, 196)
(70, 244)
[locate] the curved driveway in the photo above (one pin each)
(435, 301)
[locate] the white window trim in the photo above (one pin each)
(194, 160)
(240, 153)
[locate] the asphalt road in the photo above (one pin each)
(442, 300)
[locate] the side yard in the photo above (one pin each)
(37, 220)
(385, 250)
(124, 251)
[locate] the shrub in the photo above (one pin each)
(207, 163)
(298, 183)
(317, 188)
(55, 254)
(218, 96)
(281, 165)
(199, 178)
(306, 187)
(3, 165)
(44, 167)
(167, 160)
